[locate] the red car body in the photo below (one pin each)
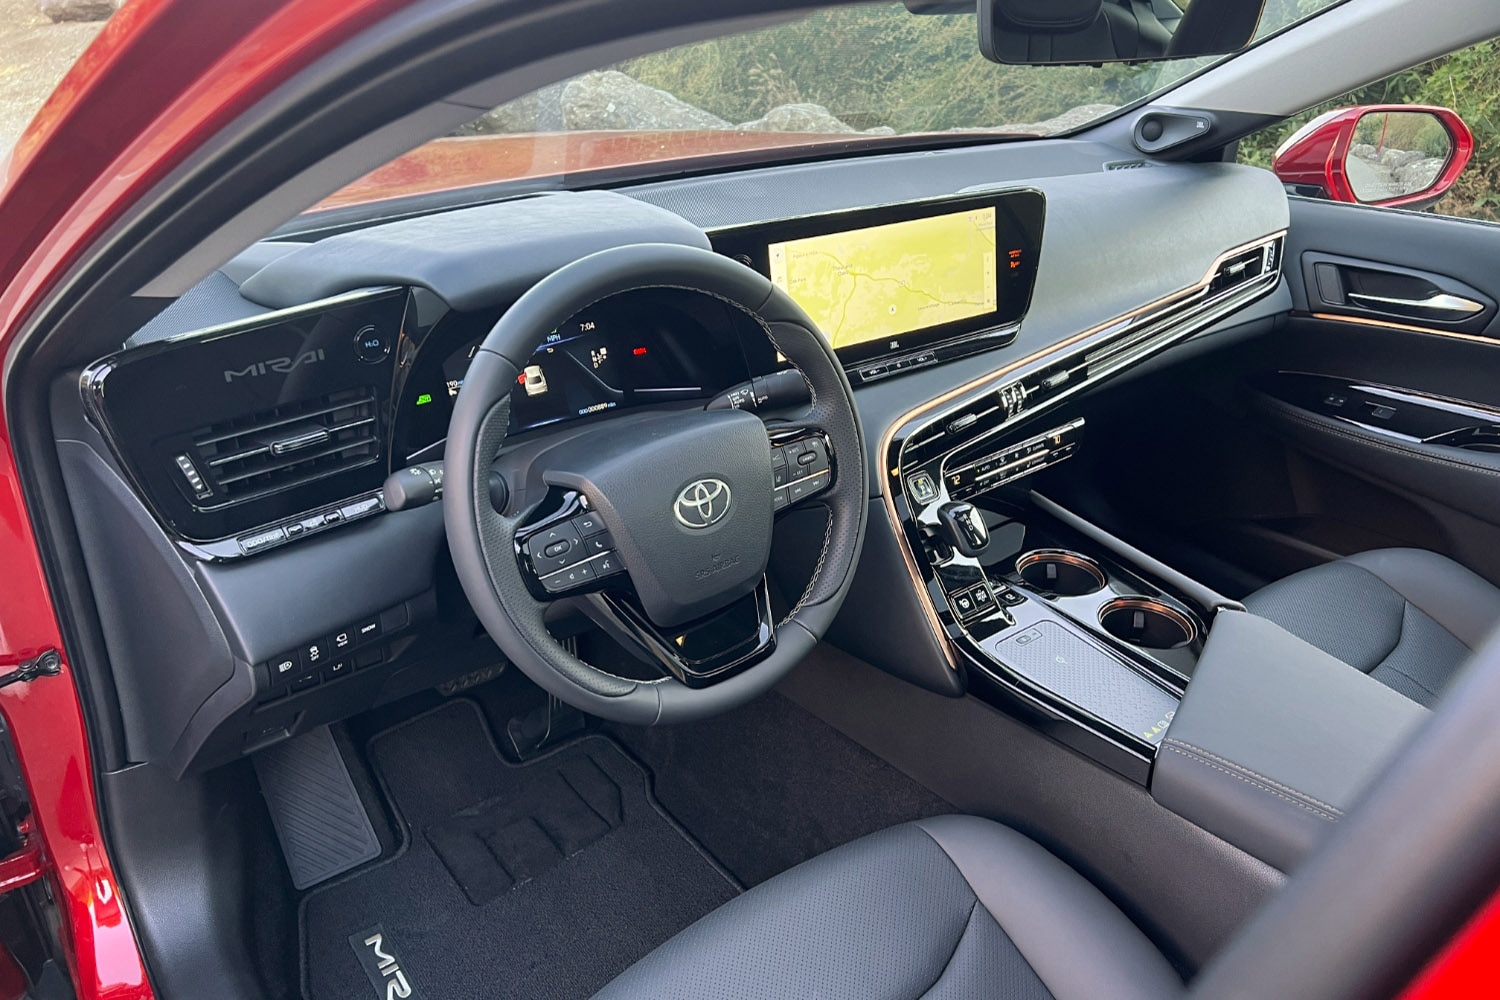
(160, 81)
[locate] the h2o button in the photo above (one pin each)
(371, 346)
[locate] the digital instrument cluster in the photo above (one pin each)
(637, 349)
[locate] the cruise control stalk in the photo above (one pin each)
(419, 485)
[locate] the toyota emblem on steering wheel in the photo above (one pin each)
(702, 503)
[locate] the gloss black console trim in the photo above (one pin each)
(978, 428)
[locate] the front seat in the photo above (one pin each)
(950, 907)
(1406, 617)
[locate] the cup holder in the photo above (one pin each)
(1147, 622)
(1060, 572)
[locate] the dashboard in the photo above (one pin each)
(227, 464)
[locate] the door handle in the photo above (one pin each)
(1454, 306)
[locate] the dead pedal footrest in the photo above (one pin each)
(319, 818)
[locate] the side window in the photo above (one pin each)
(1424, 139)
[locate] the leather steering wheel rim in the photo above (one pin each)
(482, 539)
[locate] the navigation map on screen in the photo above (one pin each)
(877, 283)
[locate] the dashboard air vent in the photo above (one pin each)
(1243, 267)
(287, 446)
(1125, 164)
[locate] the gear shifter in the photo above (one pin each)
(966, 528)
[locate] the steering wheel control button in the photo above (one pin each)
(781, 498)
(606, 564)
(779, 475)
(371, 346)
(595, 544)
(587, 524)
(567, 579)
(555, 548)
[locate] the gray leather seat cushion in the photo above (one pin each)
(950, 907)
(1406, 617)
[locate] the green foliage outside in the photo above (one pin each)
(879, 66)
(1468, 82)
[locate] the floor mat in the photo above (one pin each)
(543, 880)
(769, 785)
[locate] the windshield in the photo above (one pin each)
(841, 78)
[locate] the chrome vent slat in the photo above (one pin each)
(248, 458)
(263, 427)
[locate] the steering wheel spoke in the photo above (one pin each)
(702, 652)
(802, 464)
(568, 552)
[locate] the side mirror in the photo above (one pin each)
(1392, 155)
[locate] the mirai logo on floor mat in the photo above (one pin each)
(378, 956)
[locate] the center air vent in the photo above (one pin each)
(278, 449)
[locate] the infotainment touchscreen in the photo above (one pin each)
(879, 282)
(905, 284)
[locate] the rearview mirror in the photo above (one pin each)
(1064, 32)
(1393, 156)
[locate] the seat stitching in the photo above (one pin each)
(1254, 774)
(1255, 784)
(1402, 635)
(968, 923)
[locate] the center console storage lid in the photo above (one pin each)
(1275, 740)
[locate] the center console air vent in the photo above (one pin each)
(277, 449)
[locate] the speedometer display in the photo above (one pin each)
(636, 349)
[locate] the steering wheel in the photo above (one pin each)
(659, 522)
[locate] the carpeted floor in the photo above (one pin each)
(541, 880)
(769, 785)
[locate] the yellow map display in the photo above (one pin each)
(878, 283)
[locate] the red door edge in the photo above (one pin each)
(160, 80)
(1469, 965)
(191, 68)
